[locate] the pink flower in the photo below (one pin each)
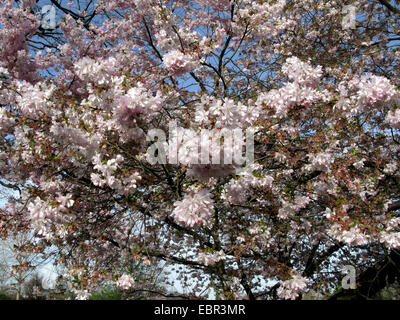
(302, 73)
(321, 161)
(390, 239)
(210, 259)
(178, 63)
(290, 289)
(376, 90)
(125, 282)
(302, 90)
(368, 92)
(194, 209)
(353, 237)
(82, 295)
(393, 118)
(65, 201)
(137, 105)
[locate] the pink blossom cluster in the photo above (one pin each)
(290, 289)
(77, 37)
(81, 294)
(167, 39)
(71, 275)
(195, 209)
(124, 185)
(179, 63)
(125, 282)
(264, 17)
(225, 113)
(302, 91)
(222, 145)
(390, 239)
(84, 143)
(393, 118)
(86, 67)
(99, 72)
(375, 90)
(6, 96)
(262, 235)
(208, 44)
(36, 100)
(353, 237)
(217, 5)
(138, 105)
(107, 170)
(209, 153)
(5, 122)
(321, 188)
(3, 73)
(367, 92)
(236, 191)
(18, 25)
(390, 236)
(391, 167)
(289, 209)
(49, 217)
(321, 161)
(209, 259)
(302, 73)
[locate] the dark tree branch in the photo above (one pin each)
(389, 6)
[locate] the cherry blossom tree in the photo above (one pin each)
(320, 97)
(21, 257)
